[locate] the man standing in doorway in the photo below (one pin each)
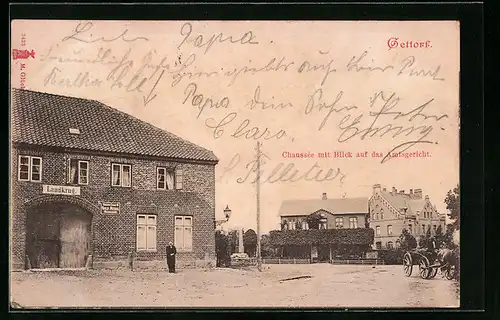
(171, 252)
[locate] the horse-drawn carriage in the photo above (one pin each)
(430, 262)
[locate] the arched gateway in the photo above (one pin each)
(58, 231)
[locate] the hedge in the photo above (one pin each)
(360, 236)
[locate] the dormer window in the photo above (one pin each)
(74, 131)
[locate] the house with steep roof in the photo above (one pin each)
(90, 183)
(323, 229)
(392, 211)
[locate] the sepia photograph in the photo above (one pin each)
(234, 164)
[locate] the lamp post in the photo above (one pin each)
(227, 215)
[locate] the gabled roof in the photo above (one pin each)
(399, 201)
(45, 119)
(334, 206)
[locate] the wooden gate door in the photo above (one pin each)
(42, 239)
(75, 237)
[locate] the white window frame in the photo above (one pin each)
(30, 168)
(377, 230)
(79, 172)
(305, 225)
(121, 165)
(78, 168)
(341, 224)
(178, 178)
(158, 169)
(147, 226)
(183, 226)
(353, 222)
(389, 229)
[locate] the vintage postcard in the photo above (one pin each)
(234, 164)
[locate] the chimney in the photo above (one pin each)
(324, 197)
(384, 189)
(426, 197)
(376, 188)
(411, 191)
(394, 190)
(401, 192)
(417, 193)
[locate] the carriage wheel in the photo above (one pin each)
(423, 267)
(407, 264)
(450, 273)
(433, 273)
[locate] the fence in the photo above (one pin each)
(286, 261)
(358, 261)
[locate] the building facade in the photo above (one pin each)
(323, 229)
(345, 213)
(91, 181)
(392, 211)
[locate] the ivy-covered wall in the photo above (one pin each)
(360, 236)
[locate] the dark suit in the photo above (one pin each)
(171, 252)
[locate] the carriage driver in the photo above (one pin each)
(431, 245)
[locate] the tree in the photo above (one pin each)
(222, 248)
(448, 236)
(233, 240)
(424, 240)
(266, 249)
(439, 236)
(452, 202)
(313, 221)
(250, 242)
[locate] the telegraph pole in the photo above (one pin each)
(259, 262)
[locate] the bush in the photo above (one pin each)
(391, 256)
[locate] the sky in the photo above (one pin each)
(296, 87)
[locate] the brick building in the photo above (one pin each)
(392, 211)
(88, 179)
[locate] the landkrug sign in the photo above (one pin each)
(65, 190)
(110, 207)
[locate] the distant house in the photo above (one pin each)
(392, 211)
(322, 229)
(89, 180)
(344, 213)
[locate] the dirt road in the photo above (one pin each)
(318, 285)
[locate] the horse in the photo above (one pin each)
(448, 260)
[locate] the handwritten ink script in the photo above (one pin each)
(239, 82)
